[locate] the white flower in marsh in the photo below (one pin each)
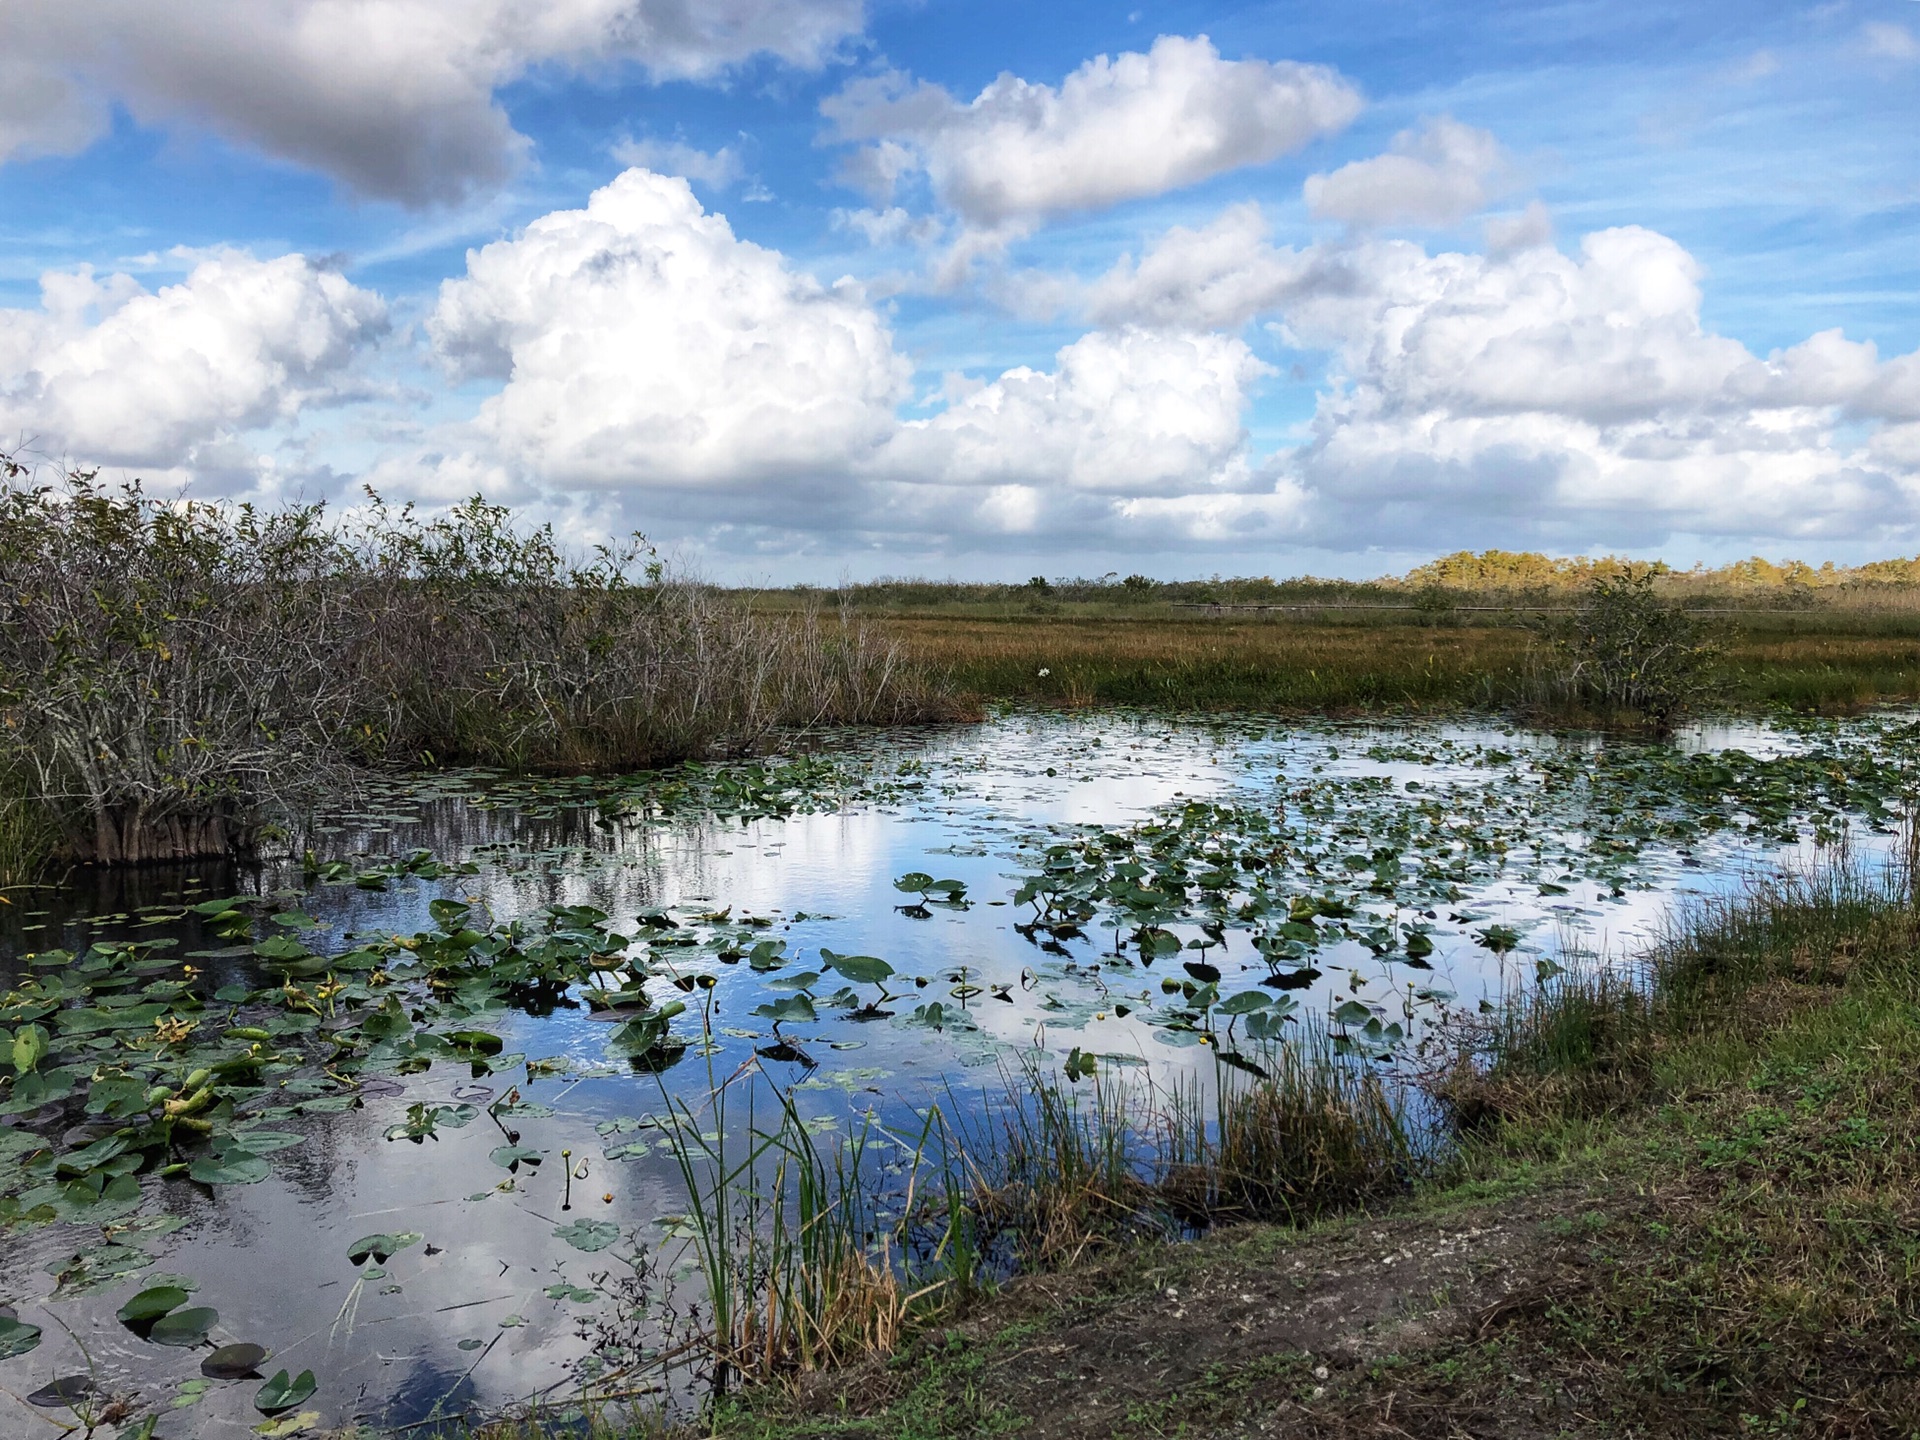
(1044, 672)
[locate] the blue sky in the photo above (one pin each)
(1272, 288)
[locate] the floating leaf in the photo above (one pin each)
(151, 1304)
(381, 1246)
(289, 1426)
(511, 1157)
(184, 1328)
(17, 1338)
(266, 1142)
(588, 1235)
(233, 1362)
(30, 1044)
(68, 1390)
(236, 1167)
(480, 1042)
(282, 1393)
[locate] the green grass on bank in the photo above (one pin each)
(1690, 1207)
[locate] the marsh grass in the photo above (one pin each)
(1368, 662)
(1599, 1038)
(1063, 1169)
(815, 1252)
(1202, 664)
(28, 838)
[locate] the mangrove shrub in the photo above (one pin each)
(175, 675)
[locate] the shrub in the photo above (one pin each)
(175, 675)
(168, 672)
(1628, 650)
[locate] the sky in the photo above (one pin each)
(817, 290)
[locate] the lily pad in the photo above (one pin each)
(236, 1167)
(379, 1247)
(233, 1362)
(17, 1338)
(150, 1304)
(265, 1142)
(861, 969)
(287, 1426)
(184, 1328)
(588, 1235)
(68, 1390)
(283, 1393)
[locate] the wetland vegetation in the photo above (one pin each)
(442, 975)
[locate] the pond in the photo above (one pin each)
(388, 1109)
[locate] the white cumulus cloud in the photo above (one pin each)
(1217, 277)
(1579, 398)
(1128, 412)
(1115, 129)
(106, 372)
(642, 343)
(393, 97)
(1436, 174)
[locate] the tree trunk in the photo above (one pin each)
(133, 837)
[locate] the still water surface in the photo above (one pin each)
(1501, 849)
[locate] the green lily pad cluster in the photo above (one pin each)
(1326, 862)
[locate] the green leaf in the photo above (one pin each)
(17, 1338)
(480, 1042)
(233, 1362)
(1243, 1003)
(861, 969)
(381, 1246)
(151, 1304)
(914, 882)
(588, 1235)
(796, 1010)
(29, 1047)
(184, 1328)
(236, 1167)
(265, 1142)
(281, 1393)
(508, 1157)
